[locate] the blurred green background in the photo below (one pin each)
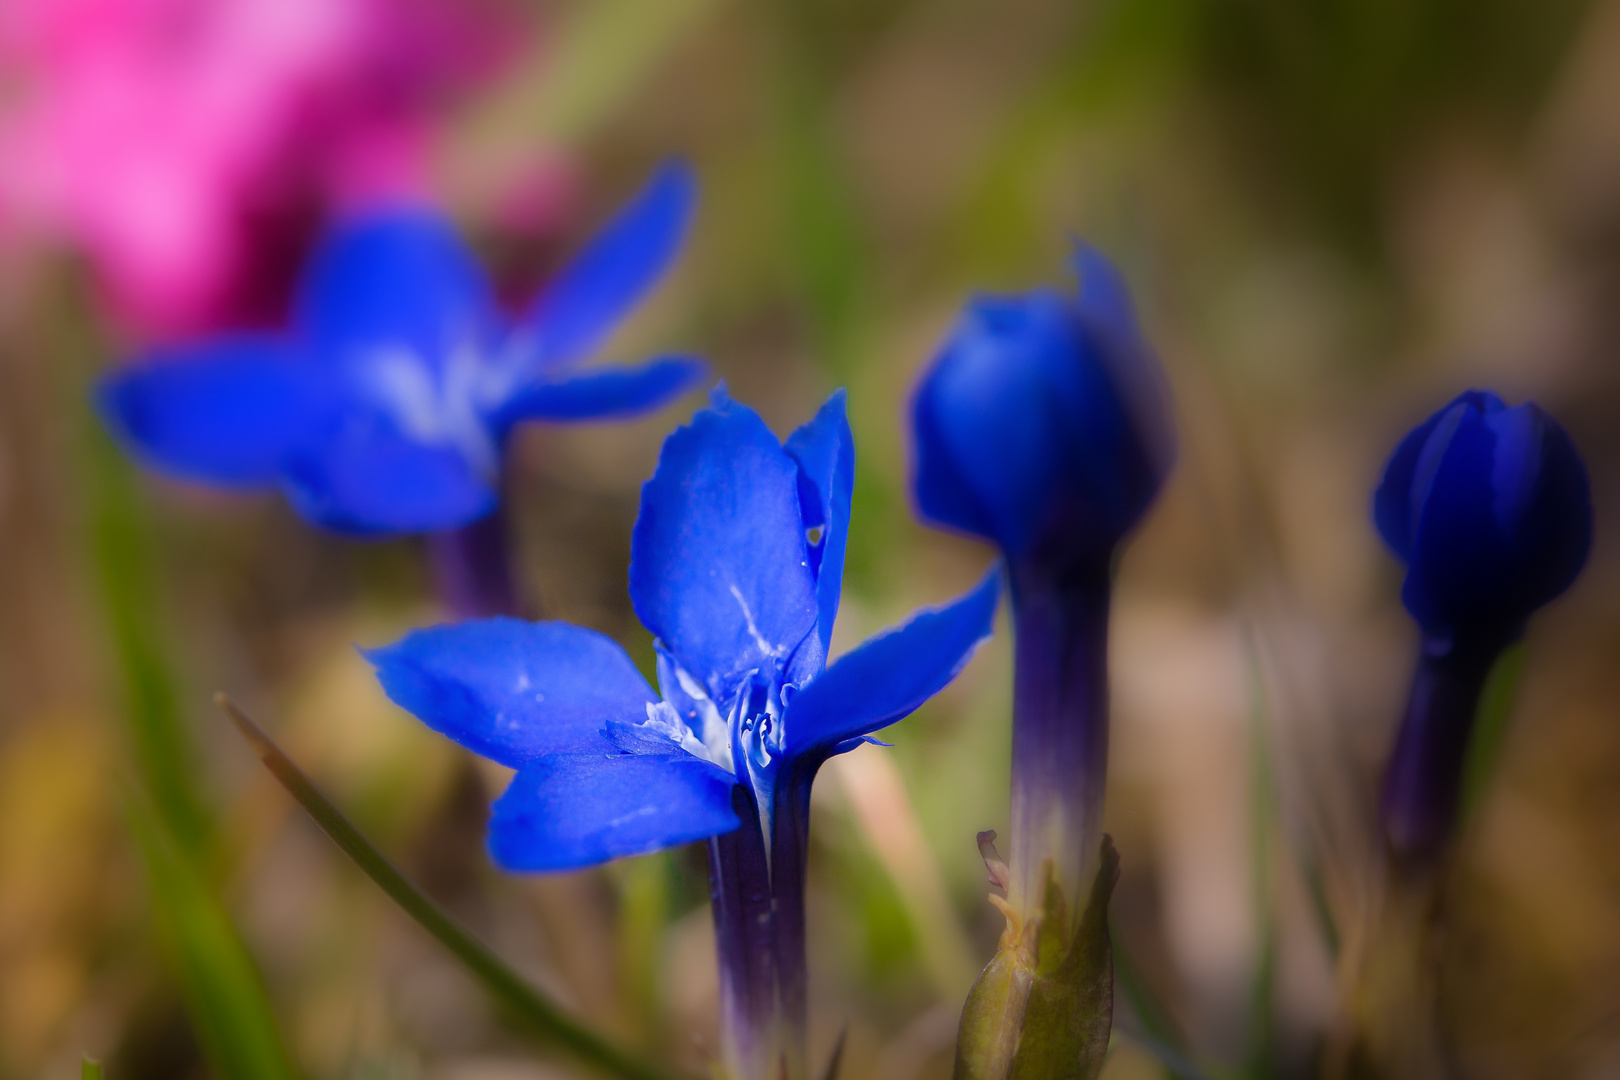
(1335, 214)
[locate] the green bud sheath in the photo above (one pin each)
(1043, 1008)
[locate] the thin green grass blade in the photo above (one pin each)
(123, 567)
(1264, 828)
(540, 1017)
(90, 1070)
(1153, 1029)
(223, 993)
(171, 822)
(1490, 726)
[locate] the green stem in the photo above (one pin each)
(540, 1016)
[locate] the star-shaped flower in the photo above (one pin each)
(387, 407)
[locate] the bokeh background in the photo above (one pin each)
(1335, 214)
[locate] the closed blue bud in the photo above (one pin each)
(1043, 427)
(1042, 424)
(1489, 509)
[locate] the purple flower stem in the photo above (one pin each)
(1423, 784)
(744, 924)
(472, 569)
(1060, 726)
(758, 906)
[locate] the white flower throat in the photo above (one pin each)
(449, 404)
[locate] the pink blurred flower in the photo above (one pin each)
(191, 148)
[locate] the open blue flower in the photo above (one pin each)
(736, 562)
(1490, 509)
(387, 407)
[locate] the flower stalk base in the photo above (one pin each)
(1043, 1008)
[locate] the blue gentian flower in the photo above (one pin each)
(736, 562)
(387, 407)
(1043, 427)
(1490, 510)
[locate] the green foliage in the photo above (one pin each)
(1071, 1005)
(222, 990)
(1044, 1007)
(1490, 727)
(536, 1014)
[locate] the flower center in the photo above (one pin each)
(447, 404)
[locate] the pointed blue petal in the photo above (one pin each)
(397, 279)
(625, 260)
(1459, 551)
(1104, 299)
(825, 451)
(1394, 500)
(1554, 534)
(567, 811)
(228, 412)
(368, 479)
(890, 675)
(513, 690)
(1003, 434)
(603, 393)
(719, 570)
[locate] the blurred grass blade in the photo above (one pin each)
(1153, 1029)
(540, 1016)
(592, 61)
(91, 1070)
(121, 553)
(1490, 725)
(1264, 828)
(224, 996)
(836, 1059)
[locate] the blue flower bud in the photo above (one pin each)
(1042, 425)
(1490, 510)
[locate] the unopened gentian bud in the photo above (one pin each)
(1489, 508)
(1043, 427)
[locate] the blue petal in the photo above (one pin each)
(603, 393)
(825, 451)
(513, 690)
(944, 495)
(1394, 500)
(1553, 536)
(1104, 299)
(888, 676)
(993, 442)
(224, 413)
(567, 811)
(587, 300)
(1459, 552)
(397, 279)
(719, 569)
(368, 479)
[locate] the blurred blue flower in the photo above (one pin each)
(387, 407)
(1042, 424)
(1489, 509)
(736, 563)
